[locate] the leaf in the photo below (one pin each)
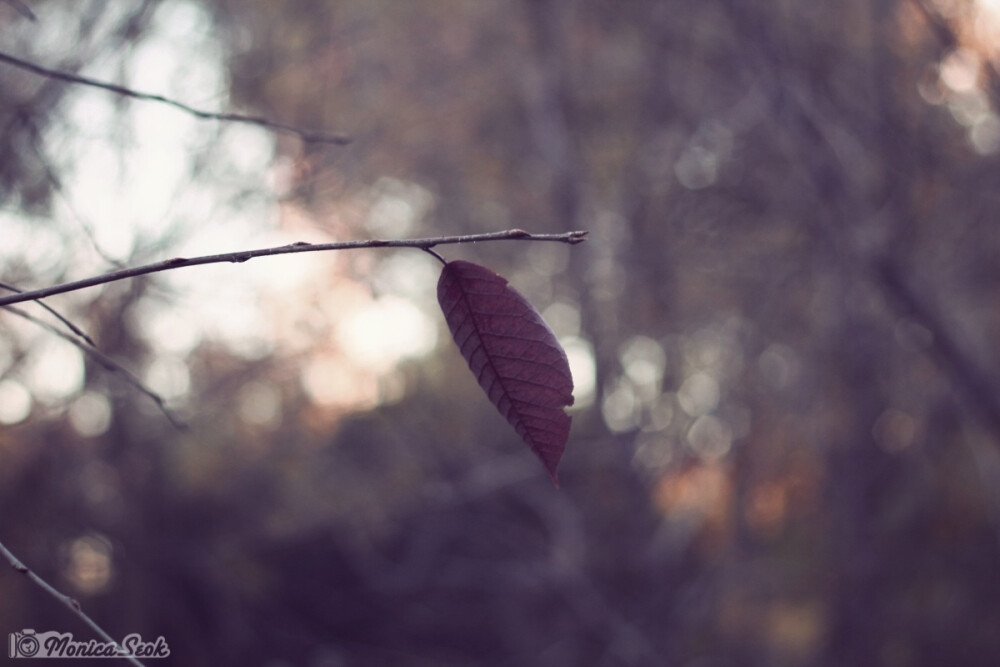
(513, 354)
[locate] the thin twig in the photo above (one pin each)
(109, 364)
(306, 135)
(66, 600)
(52, 311)
(242, 256)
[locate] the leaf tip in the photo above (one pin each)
(551, 464)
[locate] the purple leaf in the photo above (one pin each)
(513, 354)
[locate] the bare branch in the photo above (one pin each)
(109, 364)
(23, 9)
(242, 256)
(828, 175)
(91, 349)
(69, 325)
(306, 135)
(64, 599)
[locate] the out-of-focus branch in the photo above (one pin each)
(244, 255)
(805, 123)
(22, 9)
(64, 599)
(35, 135)
(306, 135)
(971, 382)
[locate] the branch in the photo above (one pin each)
(91, 349)
(242, 256)
(104, 360)
(22, 9)
(306, 135)
(66, 600)
(828, 176)
(52, 311)
(959, 365)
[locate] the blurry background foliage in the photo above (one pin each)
(783, 331)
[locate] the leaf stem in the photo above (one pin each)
(433, 252)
